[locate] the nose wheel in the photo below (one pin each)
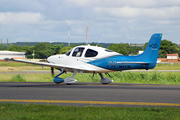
(68, 81)
(57, 79)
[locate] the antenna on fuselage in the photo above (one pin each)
(99, 42)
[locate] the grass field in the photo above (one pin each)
(175, 66)
(118, 77)
(13, 111)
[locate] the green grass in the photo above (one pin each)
(175, 66)
(14, 64)
(14, 111)
(19, 78)
(118, 77)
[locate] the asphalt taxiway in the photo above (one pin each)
(82, 94)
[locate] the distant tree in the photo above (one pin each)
(15, 48)
(28, 51)
(145, 45)
(135, 50)
(73, 45)
(43, 46)
(167, 47)
(43, 50)
(122, 48)
(64, 49)
(57, 48)
(95, 44)
(2, 47)
(43, 54)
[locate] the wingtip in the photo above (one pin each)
(8, 58)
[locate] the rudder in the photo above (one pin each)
(151, 51)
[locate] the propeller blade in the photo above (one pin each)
(52, 71)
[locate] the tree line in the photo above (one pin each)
(44, 50)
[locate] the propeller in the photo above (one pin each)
(52, 71)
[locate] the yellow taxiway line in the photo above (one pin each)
(91, 102)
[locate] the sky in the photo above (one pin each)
(109, 21)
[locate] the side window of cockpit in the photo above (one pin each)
(78, 52)
(91, 53)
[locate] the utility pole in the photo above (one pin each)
(86, 33)
(33, 54)
(68, 33)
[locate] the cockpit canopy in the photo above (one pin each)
(89, 51)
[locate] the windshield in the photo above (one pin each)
(69, 52)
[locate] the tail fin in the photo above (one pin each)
(151, 52)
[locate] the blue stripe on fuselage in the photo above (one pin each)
(112, 63)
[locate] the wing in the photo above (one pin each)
(47, 64)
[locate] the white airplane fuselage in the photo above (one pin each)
(70, 61)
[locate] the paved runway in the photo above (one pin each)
(82, 94)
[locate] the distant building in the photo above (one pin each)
(12, 54)
(170, 58)
(138, 45)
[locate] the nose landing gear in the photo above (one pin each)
(57, 79)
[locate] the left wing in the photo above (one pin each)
(47, 64)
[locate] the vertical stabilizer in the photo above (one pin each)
(151, 51)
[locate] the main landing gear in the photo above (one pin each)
(104, 80)
(71, 80)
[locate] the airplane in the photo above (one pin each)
(93, 59)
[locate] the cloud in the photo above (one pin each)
(21, 5)
(122, 3)
(147, 13)
(114, 20)
(20, 18)
(126, 12)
